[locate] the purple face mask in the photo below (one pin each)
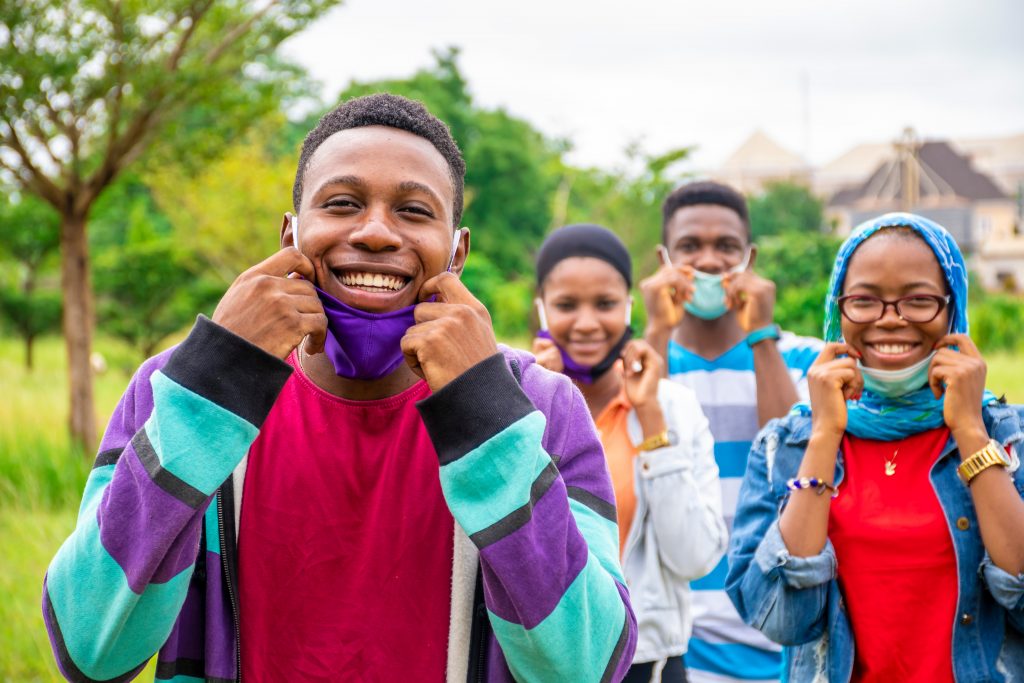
(364, 345)
(588, 373)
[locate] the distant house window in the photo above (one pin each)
(984, 226)
(1007, 281)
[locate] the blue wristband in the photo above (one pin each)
(767, 332)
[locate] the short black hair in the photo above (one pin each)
(704, 192)
(393, 111)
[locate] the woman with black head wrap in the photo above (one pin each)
(656, 439)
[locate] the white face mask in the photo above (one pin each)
(895, 383)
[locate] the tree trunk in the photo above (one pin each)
(76, 286)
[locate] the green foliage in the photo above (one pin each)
(799, 264)
(146, 290)
(87, 87)
(996, 321)
(29, 301)
(784, 207)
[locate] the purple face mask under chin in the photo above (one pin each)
(364, 345)
(588, 373)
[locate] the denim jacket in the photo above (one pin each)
(796, 601)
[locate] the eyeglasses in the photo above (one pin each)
(916, 308)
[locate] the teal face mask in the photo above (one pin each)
(896, 383)
(708, 302)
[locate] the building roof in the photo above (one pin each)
(760, 154)
(942, 173)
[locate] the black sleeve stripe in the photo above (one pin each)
(68, 665)
(181, 667)
(598, 505)
(108, 457)
(475, 406)
(229, 371)
(620, 646)
(520, 516)
(183, 491)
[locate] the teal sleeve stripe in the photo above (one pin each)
(575, 641)
(180, 679)
(204, 454)
(95, 485)
(212, 528)
(602, 536)
(494, 479)
(146, 619)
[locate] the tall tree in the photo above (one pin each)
(29, 237)
(87, 86)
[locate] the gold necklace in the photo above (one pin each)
(890, 463)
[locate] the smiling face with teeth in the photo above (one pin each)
(890, 264)
(376, 217)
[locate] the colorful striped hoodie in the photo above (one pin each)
(537, 590)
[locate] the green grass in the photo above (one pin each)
(41, 480)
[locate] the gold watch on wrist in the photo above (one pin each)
(992, 454)
(659, 440)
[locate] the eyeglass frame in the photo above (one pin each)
(943, 302)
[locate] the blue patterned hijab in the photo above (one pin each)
(890, 419)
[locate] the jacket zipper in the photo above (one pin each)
(227, 583)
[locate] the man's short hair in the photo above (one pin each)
(704, 192)
(393, 111)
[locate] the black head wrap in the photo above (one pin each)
(583, 239)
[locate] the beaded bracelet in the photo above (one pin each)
(811, 483)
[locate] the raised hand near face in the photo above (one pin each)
(451, 334)
(272, 311)
(832, 380)
(643, 368)
(664, 294)
(547, 354)
(961, 374)
(751, 297)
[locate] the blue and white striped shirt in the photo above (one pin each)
(723, 648)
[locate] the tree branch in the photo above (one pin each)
(36, 180)
(237, 33)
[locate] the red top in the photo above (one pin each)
(345, 544)
(897, 566)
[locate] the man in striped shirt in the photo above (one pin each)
(712, 317)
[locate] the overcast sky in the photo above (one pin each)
(706, 74)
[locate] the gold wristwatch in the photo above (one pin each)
(660, 440)
(992, 454)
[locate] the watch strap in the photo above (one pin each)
(659, 440)
(767, 332)
(991, 455)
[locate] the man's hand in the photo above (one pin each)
(752, 297)
(547, 354)
(451, 335)
(267, 308)
(664, 294)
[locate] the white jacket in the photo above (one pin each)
(677, 534)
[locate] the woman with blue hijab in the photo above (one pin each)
(880, 530)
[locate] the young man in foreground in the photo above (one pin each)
(284, 496)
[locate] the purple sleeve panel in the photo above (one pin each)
(141, 520)
(534, 545)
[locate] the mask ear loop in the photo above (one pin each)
(455, 249)
(542, 317)
(629, 311)
(743, 264)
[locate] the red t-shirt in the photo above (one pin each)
(345, 543)
(897, 566)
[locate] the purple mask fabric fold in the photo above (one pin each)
(588, 373)
(364, 345)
